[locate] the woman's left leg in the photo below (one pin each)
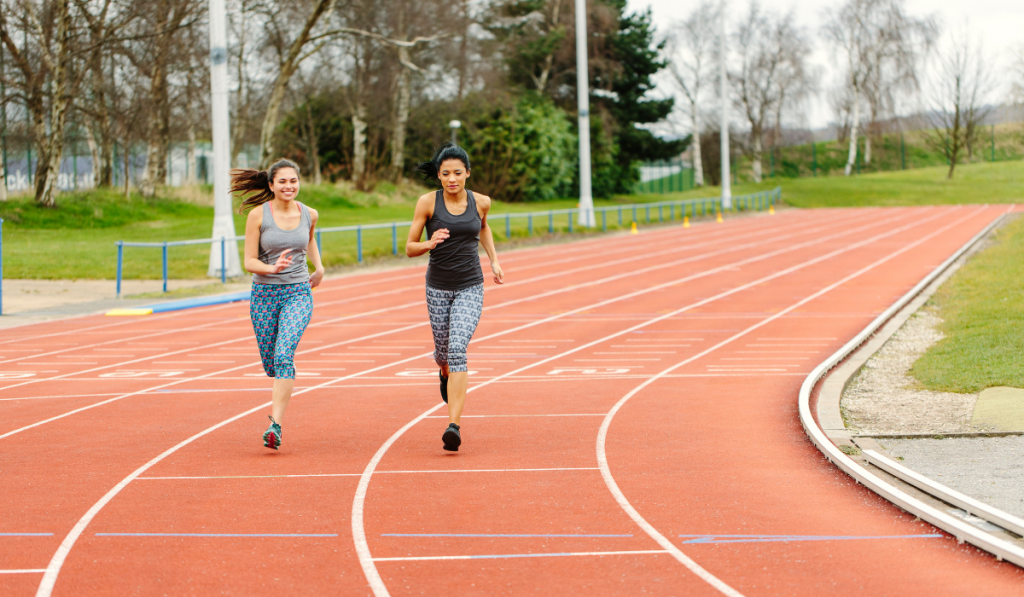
(465, 316)
(296, 311)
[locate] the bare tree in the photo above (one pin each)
(1017, 75)
(958, 91)
(691, 48)
(770, 49)
(881, 46)
(44, 60)
(291, 54)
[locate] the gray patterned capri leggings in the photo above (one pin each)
(454, 315)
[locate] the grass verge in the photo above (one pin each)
(982, 306)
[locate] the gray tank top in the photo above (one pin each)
(274, 241)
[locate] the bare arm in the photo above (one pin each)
(313, 252)
(253, 265)
(487, 238)
(424, 211)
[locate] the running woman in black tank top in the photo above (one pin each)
(456, 223)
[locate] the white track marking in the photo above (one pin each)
(362, 548)
(366, 560)
(602, 435)
(24, 571)
(507, 303)
(431, 472)
(638, 552)
(419, 303)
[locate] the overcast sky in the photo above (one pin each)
(999, 22)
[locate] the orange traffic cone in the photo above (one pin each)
(771, 210)
(719, 218)
(686, 221)
(633, 230)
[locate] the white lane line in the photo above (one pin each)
(412, 472)
(602, 435)
(516, 416)
(537, 296)
(417, 303)
(362, 547)
(638, 552)
(24, 571)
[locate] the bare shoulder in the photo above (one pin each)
(425, 204)
(255, 216)
(482, 201)
(313, 213)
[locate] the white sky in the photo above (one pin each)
(1000, 23)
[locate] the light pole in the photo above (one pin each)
(455, 125)
(586, 213)
(223, 224)
(726, 167)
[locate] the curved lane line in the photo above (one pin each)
(602, 435)
(57, 562)
(366, 560)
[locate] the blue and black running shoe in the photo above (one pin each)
(444, 387)
(451, 438)
(272, 436)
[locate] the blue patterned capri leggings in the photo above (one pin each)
(454, 315)
(280, 313)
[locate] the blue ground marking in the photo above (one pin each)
(488, 535)
(26, 534)
(202, 301)
(216, 535)
(787, 538)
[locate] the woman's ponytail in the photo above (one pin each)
(448, 151)
(254, 185)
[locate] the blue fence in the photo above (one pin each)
(658, 211)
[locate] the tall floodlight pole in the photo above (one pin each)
(726, 167)
(223, 224)
(586, 213)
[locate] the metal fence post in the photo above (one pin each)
(620, 216)
(508, 226)
(165, 265)
(604, 220)
(319, 244)
(551, 222)
(223, 261)
(120, 265)
(529, 223)
(394, 238)
(570, 222)
(648, 210)
(359, 243)
(634, 212)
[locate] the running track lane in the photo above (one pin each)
(493, 443)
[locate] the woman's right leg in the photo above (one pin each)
(439, 305)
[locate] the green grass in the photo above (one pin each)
(76, 238)
(982, 306)
(998, 182)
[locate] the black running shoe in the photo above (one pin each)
(451, 438)
(444, 387)
(272, 436)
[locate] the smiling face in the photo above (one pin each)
(453, 175)
(285, 184)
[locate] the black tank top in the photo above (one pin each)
(455, 263)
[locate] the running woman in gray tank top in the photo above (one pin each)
(278, 241)
(456, 223)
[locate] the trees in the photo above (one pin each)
(690, 50)
(881, 47)
(958, 93)
(771, 62)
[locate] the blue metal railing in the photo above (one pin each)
(685, 207)
(1, 266)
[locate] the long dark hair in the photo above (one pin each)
(254, 185)
(448, 151)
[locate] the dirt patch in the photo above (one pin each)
(884, 399)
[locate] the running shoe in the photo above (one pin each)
(444, 387)
(451, 438)
(272, 436)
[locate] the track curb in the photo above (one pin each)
(888, 322)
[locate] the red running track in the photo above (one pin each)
(632, 429)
